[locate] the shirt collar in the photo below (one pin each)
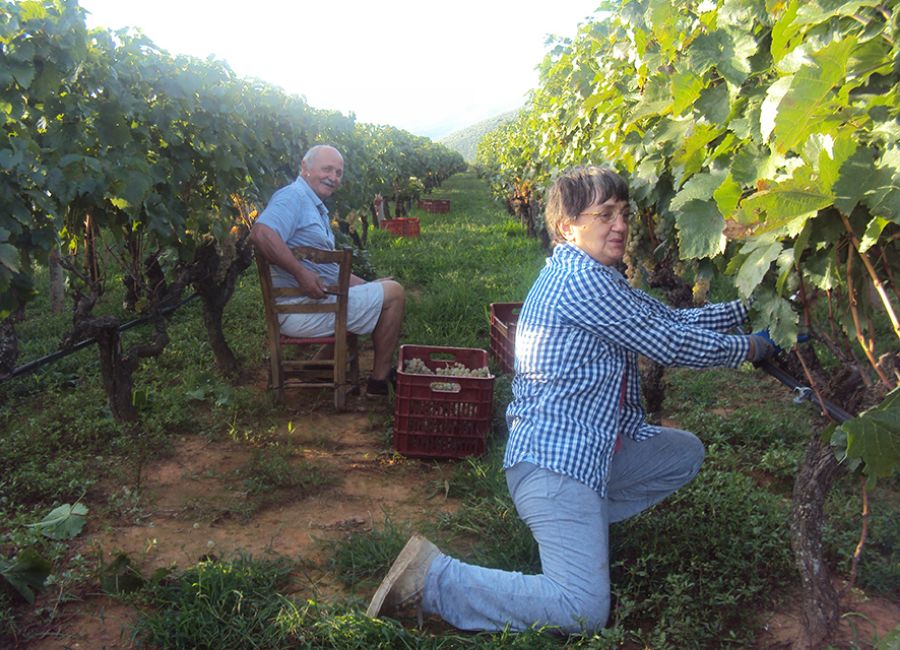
(571, 254)
(312, 195)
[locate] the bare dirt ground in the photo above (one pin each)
(864, 619)
(192, 506)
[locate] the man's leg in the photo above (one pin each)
(386, 335)
(644, 473)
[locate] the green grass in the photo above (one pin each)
(272, 475)
(693, 573)
(463, 261)
(358, 561)
(230, 604)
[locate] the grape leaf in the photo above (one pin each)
(769, 111)
(814, 13)
(883, 195)
(854, 178)
(693, 149)
(9, 257)
(761, 253)
(784, 32)
(788, 200)
(663, 18)
(727, 196)
(656, 99)
(26, 572)
(64, 522)
(873, 232)
(728, 51)
(686, 87)
(826, 154)
(700, 229)
(799, 110)
(700, 187)
(714, 103)
(775, 314)
(876, 184)
(874, 437)
(23, 73)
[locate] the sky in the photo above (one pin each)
(427, 67)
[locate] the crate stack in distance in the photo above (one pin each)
(434, 206)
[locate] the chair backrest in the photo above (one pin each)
(304, 372)
(271, 295)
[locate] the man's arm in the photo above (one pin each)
(270, 245)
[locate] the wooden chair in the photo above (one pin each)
(341, 372)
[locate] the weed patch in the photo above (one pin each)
(695, 570)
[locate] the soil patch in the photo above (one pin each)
(865, 619)
(195, 504)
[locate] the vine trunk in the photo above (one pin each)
(820, 601)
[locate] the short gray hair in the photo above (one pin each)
(310, 155)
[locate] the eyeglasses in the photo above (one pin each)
(607, 217)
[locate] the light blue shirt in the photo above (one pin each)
(300, 218)
(581, 329)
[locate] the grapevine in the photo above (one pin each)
(129, 157)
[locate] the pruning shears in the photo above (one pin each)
(836, 413)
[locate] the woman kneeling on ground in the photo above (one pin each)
(580, 454)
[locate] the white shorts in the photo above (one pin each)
(363, 312)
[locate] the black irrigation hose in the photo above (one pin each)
(31, 366)
(804, 392)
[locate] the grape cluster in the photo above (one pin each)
(416, 366)
(700, 290)
(638, 250)
(664, 229)
(631, 247)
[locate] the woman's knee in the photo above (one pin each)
(696, 452)
(586, 615)
(688, 453)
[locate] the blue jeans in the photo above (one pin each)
(570, 523)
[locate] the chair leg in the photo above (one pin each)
(353, 352)
(340, 374)
(276, 376)
(340, 389)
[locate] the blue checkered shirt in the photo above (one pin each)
(580, 331)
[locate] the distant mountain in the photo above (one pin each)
(466, 140)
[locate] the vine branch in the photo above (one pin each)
(876, 281)
(863, 534)
(812, 383)
(860, 337)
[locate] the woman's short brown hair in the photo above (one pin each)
(576, 189)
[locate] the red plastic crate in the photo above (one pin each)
(392, 226)
(437, 416)
(434, 205)
(409, 227)
(403, 226)
(504, 316)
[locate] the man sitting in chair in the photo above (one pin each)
(297, 216)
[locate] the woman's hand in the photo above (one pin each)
(762, 347)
